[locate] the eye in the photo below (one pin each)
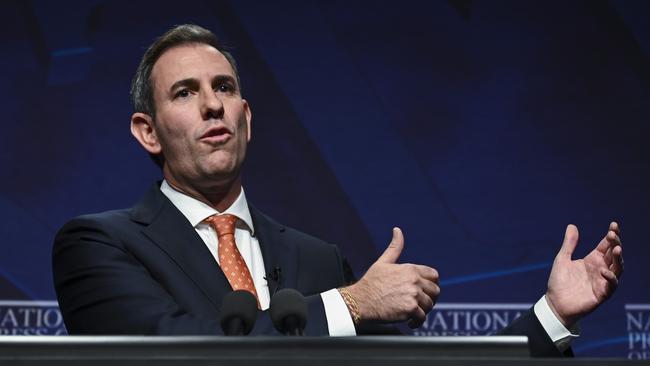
(183, 93)
(226, 88)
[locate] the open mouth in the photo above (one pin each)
(216, 135)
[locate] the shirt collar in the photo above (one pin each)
(196, 211)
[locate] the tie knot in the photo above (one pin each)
(223, 224)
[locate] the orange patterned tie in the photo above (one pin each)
(231, 261)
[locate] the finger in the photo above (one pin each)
(608, 257)
(607, 285)
(432, 290)
(570, 242)
(413, 325)
(615, 227)
(417, 318)
(427, 273)
(617, 262)
(425, 302)
(610, 277)
(609, 241)
(392, 253)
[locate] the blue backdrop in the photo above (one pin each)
(481, 128)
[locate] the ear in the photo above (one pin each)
(249, 116)
(143, 131)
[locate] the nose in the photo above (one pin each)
(211, 105)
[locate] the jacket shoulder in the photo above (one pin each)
(113, 218)
(105, 227)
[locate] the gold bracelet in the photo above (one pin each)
(351, 303)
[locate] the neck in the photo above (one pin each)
(219, 196)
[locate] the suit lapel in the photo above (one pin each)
(277, 249)
(166, 226)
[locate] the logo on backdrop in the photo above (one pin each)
(473, 319)
(638, 330)
(19, 317)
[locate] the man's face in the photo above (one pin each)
(202, 123)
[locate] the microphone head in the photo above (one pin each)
(239, 310)
(288, 311)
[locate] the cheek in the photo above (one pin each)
(243, 128)
(242, 134)
(178, 122)
(242, 125)
(174, 140)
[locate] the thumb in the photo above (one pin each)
(570, 241)
(392, 253)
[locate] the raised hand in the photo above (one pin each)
(391, 292)
(578, 287)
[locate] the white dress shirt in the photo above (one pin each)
(558, 333)
(338, 317)
(339, 321)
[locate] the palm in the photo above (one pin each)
(577, 287)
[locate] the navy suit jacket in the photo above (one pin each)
(145, 270)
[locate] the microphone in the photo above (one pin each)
(238, 313)
(289, 312)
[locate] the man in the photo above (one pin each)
(163, 266)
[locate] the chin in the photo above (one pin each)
(221, 172)
(220, 166)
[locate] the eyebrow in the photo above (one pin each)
(194, 83)
(190, 83)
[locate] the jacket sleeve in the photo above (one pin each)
(539, 342)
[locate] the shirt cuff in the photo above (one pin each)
(558, 333)
(339, 321)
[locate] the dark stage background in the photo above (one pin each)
(481, 128)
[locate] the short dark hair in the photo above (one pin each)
(141, 85)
